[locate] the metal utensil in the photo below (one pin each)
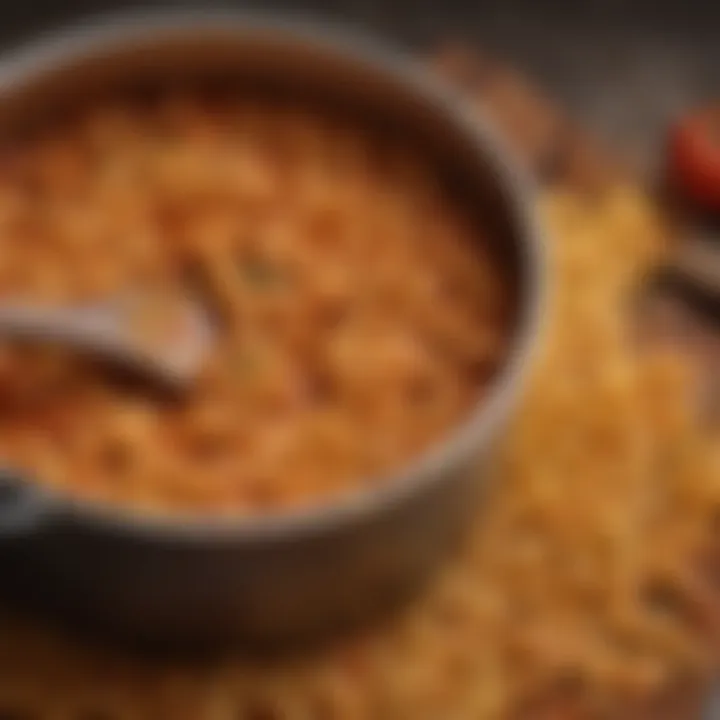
(164, 337)
(697, 266)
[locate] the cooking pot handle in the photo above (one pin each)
(23, 508)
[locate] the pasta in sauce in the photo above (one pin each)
(360, 313)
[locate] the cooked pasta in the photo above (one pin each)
(360, 313)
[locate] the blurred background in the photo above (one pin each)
(623, 66)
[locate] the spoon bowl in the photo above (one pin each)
(164, 337)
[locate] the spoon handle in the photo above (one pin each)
(694, 271)
(699, 263)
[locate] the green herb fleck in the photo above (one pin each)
(261, 273)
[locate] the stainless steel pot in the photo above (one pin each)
(273, 578)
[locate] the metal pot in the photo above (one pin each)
(277, 577)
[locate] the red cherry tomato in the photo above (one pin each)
(695, 157)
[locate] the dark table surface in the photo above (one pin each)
(624, 66)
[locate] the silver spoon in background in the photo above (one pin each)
(165, 337)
